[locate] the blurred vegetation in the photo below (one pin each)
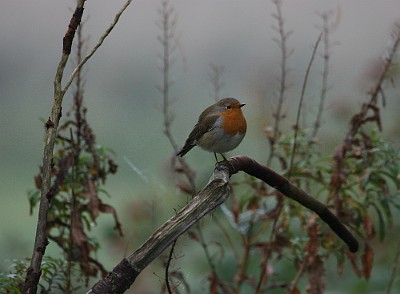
(257, 242)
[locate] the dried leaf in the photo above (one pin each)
(367, 261)
(353, 259)
(192, 235)
(96, 206)
(316, 278)
(368, 227)
(213, 284)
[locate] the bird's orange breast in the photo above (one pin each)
(234, 122)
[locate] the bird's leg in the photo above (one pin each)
(215, 155)
(224, 157)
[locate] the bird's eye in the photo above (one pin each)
(228, 107)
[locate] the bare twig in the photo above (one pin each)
(246, 240)
(303, 90)
(325, 73)
(209, 198)
(395, 267)
(167, 26)
(97, 46)
(206, 251)
(171, 251)
(278, 114)
(215, 79)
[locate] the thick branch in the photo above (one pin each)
(213, 195)
(251, 167)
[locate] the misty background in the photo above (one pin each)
(124, 106)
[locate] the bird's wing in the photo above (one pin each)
(198, 131)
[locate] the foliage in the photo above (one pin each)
(54, 276)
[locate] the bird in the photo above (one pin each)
(220, 128)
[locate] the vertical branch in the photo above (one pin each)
(247, 244)
(70, 251)
(325, 73)
(215, 79)
(278, 114)
(76, 149)
(167, 26)
(303, 89)
(395, 267)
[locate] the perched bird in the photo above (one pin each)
(220, 128)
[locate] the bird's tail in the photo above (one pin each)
(185, 150)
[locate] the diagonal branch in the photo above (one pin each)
(209, 198)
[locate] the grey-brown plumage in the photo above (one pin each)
(220, 128)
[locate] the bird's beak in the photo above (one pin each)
(241, 105)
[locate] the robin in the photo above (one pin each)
(220, 128)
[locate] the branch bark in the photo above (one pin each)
(209, 198)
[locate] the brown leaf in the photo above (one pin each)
(192, 235)
(213, 284)
(109, 209)
(96, 206)
(185, 187)
(367, 261)
(254, 203)
(82, 246)
(295, 290)
(369, 227)
(353, 259)
(316, 277)
(312, 246)
(38, 182)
